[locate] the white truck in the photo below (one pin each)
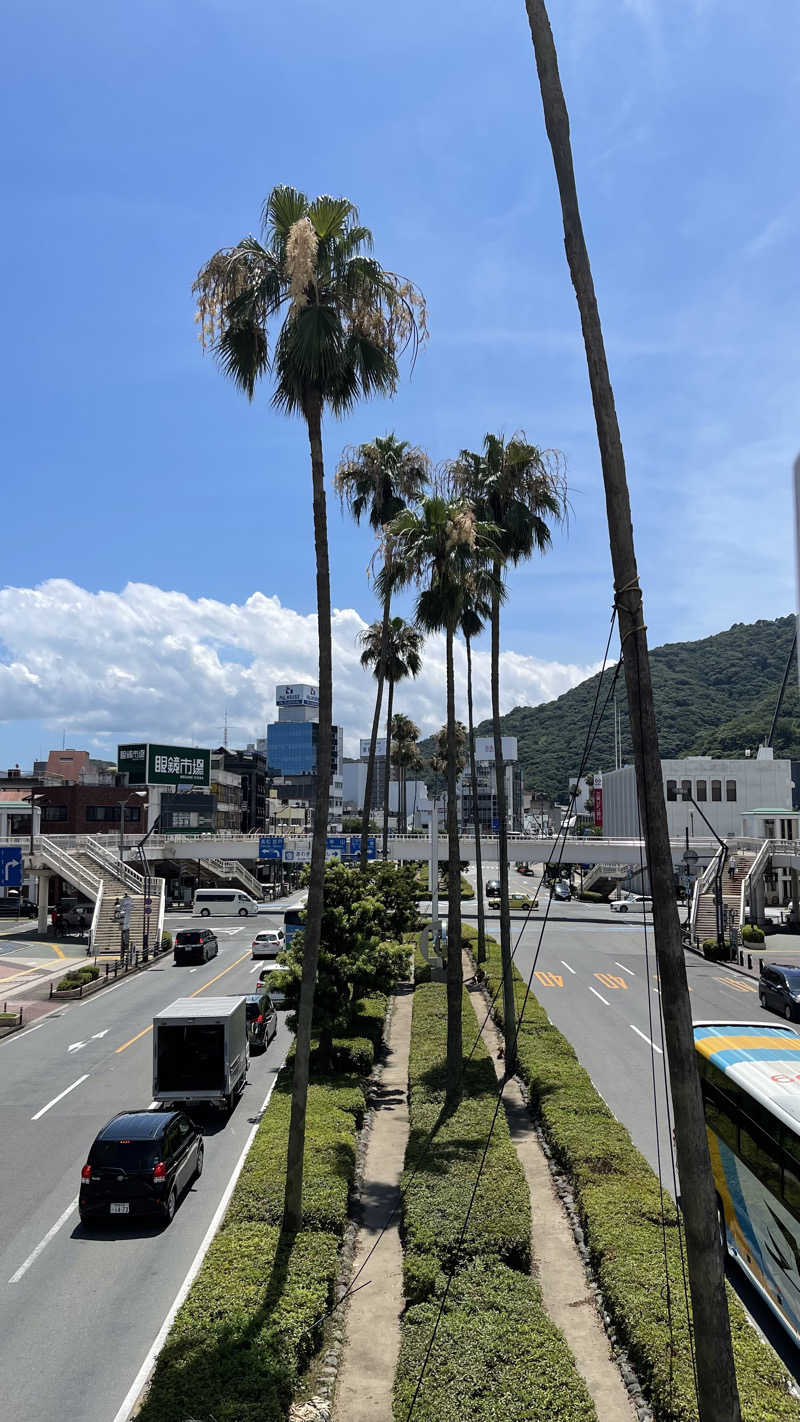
(200, 1051)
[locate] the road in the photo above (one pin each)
(595, 974)
(80, 1309)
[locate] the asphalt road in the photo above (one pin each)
(79, 1308)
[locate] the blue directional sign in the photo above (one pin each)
(337, 841)
(11, 866)
(495, 825)
(270, 846)
(355, 845)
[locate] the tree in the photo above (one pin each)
(718, 1397)
(437, 547)
(472, 621)
(380, 479)
(393, 653)
(516, 487)
(405, 757)
(340, 322)
(363, 920)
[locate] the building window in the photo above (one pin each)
(716, 789)
(686, 789)
(672, 789)
(54, 812)
(730, 789)
(701, 790)
(103, 814)
(133, 814)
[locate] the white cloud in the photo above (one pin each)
(150, 663)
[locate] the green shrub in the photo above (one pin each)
(436, 1198)
(497, 1354)
(618, 1199)
(751, 933)
(714, 951)
(166, 941)
(422, 968)
(247, 1328)
(348, 1054)
(589, 897)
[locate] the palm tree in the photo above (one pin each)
(393, 652)
(380, 479)
(339, 322)
(472, 622)
(405, 757)
(516, 487)
(716, 1375)
(437, 547)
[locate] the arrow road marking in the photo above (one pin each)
(75, 1046)
(104, 1033)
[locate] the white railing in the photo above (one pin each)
(232, 869)
(96, 915)
(751, 878)
(69, 868)
(113, 865)
(702, 886)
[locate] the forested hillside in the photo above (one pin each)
(713, 697)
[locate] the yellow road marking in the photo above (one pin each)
(209, 984)
(549, 979)
(735, 983)
(58, 950)
(611, 980)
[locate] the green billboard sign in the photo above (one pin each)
(147, 764)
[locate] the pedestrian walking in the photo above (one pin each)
(732, 867)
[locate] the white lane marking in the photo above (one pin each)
(194, 1268)
(254, 968)
(646, 1039)
(600, 995)
(75, 1046)
(624, 969)
(96, 1035)
(192, 970)
(25, 1034)
(567, 966)
(43, 1243)
(61, 1096)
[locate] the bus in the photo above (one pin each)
(294, 919)
(750, 1080)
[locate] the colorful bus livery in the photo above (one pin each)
(750, 1080)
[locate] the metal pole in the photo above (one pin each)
(433, 871)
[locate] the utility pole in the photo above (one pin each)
(718, 1398)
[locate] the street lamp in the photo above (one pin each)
(136, 797)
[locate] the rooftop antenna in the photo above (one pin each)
(225, 730)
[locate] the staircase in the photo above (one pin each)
(95, 872)
(706, 918)
(233, 872)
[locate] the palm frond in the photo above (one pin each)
(243, 355)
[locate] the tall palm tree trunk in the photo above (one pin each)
(387, 779)
(509, 1008)
(475, 815)
(455, 977)
(373, 740)
(292, 1206)
(403, 811)
(718, 1397)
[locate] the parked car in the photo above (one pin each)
(194, 945)
(139, 1164)
(16, 906)
(636, 902)
(266, 984)
(76, 918)
(779, 988)
(262, 1019)
(268, 943)
(493, 888)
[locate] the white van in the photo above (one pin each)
(223, 902)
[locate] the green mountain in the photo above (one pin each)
(713, 697)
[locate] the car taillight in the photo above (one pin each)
(86, 1173)
(259, 1018)
(159, 1172)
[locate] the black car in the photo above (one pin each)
(139, 1165)
(779, 988)
(16, 907)
(493, 888)
(195, 945)
(262, 1019)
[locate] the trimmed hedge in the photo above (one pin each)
(497, 1355)
(617, 1196)
(251, 1320)
(751, 933)
(436, 1199)
(715, 952)
(590, 897)
(76, 977)
(423, 879)
(422, 968)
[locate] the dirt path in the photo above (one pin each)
(557, 1264)
(372, 1334)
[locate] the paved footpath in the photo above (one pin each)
(372, 1335)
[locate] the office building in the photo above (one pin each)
(292, 746)
(487, 786)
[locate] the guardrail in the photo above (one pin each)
(95, 916)
(113, 864)
(66, 865)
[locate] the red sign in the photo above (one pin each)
(597, 794)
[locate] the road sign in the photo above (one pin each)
(495, 825)
(333, 854)
(338, 842)
(147, 912)
(270, 846)
(148, 901)
(11, 866)
(297, 854)
(355, 845)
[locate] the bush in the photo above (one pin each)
(751, 933)
(166, 941)
(497, 1354)
(714, 951)
(437, 1197)
(589, 897)
(619, 1203)
(422, 968)
(77, 977)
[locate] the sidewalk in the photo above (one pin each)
(372, 1333)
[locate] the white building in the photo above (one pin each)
(727, 792)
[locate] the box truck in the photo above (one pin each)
(200, 1051)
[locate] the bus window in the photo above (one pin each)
(760, 1158)
(720, 1121)
(791, 1191)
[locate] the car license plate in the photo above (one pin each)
(120, 1209)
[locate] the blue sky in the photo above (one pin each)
(141, 138)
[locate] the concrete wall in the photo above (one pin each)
(759, 784)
